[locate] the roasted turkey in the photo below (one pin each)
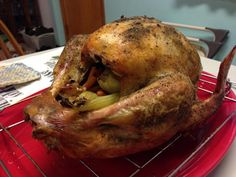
(130, 86)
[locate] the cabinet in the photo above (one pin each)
(82, 17)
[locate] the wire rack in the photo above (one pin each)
(133, 165)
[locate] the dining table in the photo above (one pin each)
(44, 61)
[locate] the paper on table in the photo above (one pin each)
(13, 94)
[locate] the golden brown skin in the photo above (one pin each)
(140, 49)
(158, 71)
(68, 67)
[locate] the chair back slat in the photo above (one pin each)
(4, 29)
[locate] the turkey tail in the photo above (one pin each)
(223, 71)
(202, 110)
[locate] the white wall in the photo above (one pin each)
(51, 17)
(46, 14)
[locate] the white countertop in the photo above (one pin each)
(227, 166)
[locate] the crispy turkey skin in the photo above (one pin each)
(141, 49)
(155, 70)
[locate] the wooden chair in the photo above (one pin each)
(13, 41)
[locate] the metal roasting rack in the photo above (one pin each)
(138, 167)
